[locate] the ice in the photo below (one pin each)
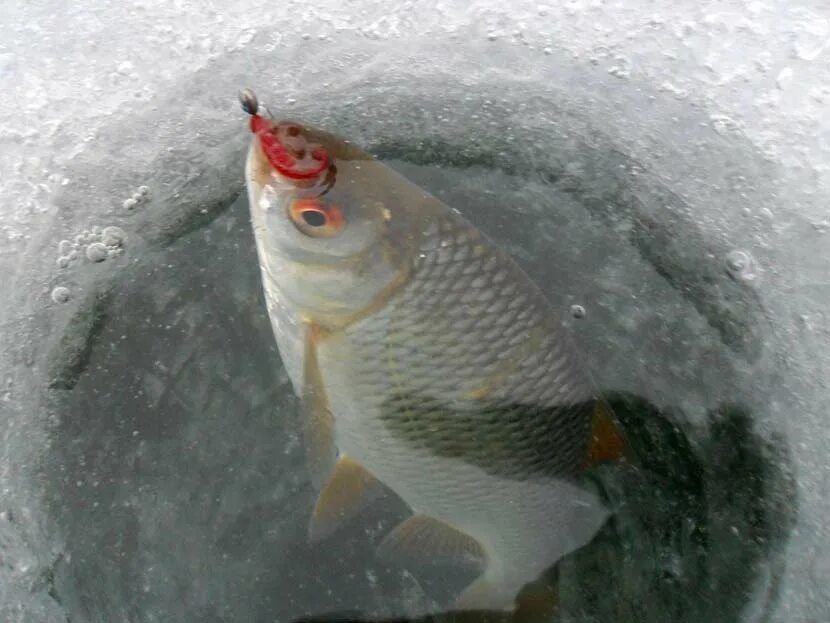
(708, 118)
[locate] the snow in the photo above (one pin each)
(120, 133)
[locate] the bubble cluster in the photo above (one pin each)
(68, 251)
(140, 196)
(96, 244)
(113, 236)
(96, 252)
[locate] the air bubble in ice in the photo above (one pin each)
(113, 236)
(96, 252)
(785, 77)
(811, 39)
(578, 311)
(725, 125)
(821, 226)
(737, 261)
(622, 67)
(61, 294)
(64, 247)
(124, 68)
(138, 197)
(63, 261)
(740, 265)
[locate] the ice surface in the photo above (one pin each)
(701, 127)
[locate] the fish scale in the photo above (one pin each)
(425, 394)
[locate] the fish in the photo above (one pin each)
(426, 362)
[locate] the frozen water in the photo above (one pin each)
(704, 131)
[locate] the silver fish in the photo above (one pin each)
(426, 360)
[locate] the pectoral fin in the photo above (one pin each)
(318, 423)
(607, 442)
(350, 489)
(422, 540)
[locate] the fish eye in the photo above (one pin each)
(316, 218)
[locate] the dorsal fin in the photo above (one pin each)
(607, 443)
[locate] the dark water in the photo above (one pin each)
(176, 481)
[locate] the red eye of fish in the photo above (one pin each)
(315, 218)
(288, 151)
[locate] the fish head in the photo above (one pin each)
(322, 220)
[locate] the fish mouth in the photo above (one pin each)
(286, 146)
(289, 150)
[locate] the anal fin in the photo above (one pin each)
(349, 490)
(422, 540)
(318, 423)
(539, 601)
(484, 594)
(607, 443)
(535, 602)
